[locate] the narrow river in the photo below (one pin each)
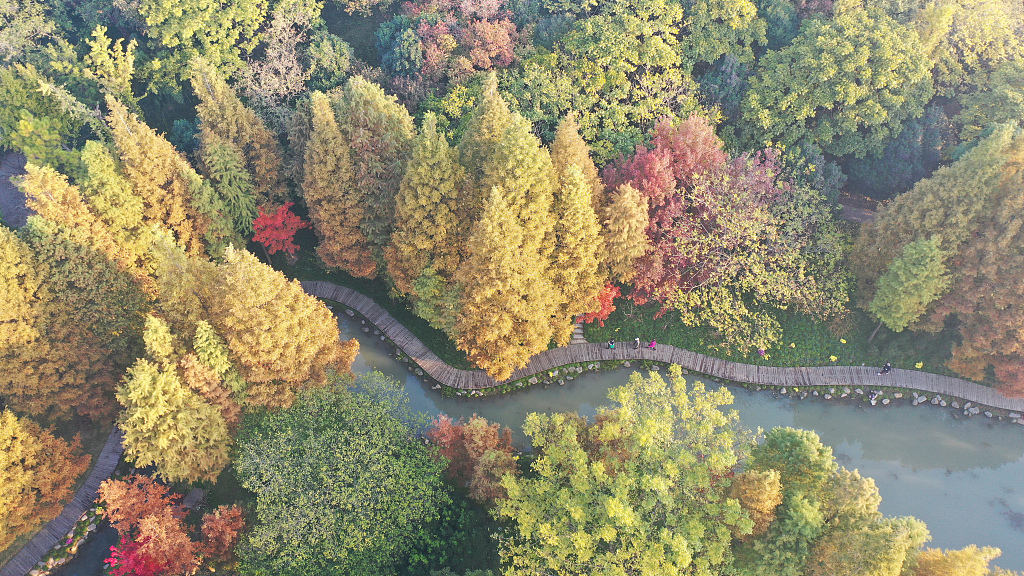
(963, 477)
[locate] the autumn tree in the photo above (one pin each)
(276, 231)
(479, 143)
(379, 133)
(624, 232)
(47, 363)
(222, 113)
(281, 337)
(575, 261)
(970, 561)
(37, 474)
(645, 484)
(430, 233)
(478, 454)
(221, 530)
(335, 204)
(157, 173)
(128, 501)
(569, 149)
(606, 301)
(847, 83)
(759, 493)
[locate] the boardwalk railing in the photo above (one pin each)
(56, 531)
(849, 376)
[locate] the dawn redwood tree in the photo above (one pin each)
(335, 204)
(37, 472)
(910, 284)
(276, 231)
(569, 149)
(479, 454)
(222, 164)
(624, 232)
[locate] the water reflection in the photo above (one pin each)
(961, 476)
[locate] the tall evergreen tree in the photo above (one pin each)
(185, 284)
(911, 283)
(222, 113)
(575, 271)
(504, 316)
(569, 149)
(155, 169)
(379, 132)
(479, 143)
(335, 203)
(224, 166)
(427, 245)
(624, 232)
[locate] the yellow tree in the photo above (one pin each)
(280, 337)
(569, 149)
(504, 316)
(49, 195)
(479, 144)
(576, 258)
(37, 473)
(335, 204)
(624, 232)
(156, 171)
(223, 114)
(426, 247)
(971, 561)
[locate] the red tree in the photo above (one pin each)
(277, 231)
(478, 454)
(607, 297)
(125, 560)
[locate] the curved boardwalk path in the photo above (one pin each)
(57, 529)
(852, 376)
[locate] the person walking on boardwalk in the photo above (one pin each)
(611, 344)
(653, 345)
(886, 368)
(636, 344)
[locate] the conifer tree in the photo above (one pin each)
(185, 284)
(113, 201)
(48, 194)
(624, 232)
(223, 114)
(575, 261)
(46, 364)
(280, 336)
(428, 240)
(479, 143)
(224, 166)
(379, 132)
(569, 149)
(155, 170)
(505, 311)
(335, 204)
(37, 473)
(911, 283)
(167, 425)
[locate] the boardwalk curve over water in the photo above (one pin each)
(850, 376)
(57, 529)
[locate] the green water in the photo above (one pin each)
(963, 477)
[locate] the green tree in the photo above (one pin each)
(999, 100)
(429, 238)
(847, 83)
(335, 204)
(360, 485)
(22, 25)
(910, 284)
(379, 133)
(222, 113)
(223, 164)
(716, 28)
(37, 474)
(640, 490)
(217, 31)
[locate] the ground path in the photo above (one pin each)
(58, 528)
(849, 376)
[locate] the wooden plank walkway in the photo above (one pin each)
(851, 376)
(58, 528)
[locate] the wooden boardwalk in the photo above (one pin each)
(58, 528)
(849, 376)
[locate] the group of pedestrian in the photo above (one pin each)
(653, 345)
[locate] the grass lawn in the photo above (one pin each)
(806, 342)
(93, 437)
